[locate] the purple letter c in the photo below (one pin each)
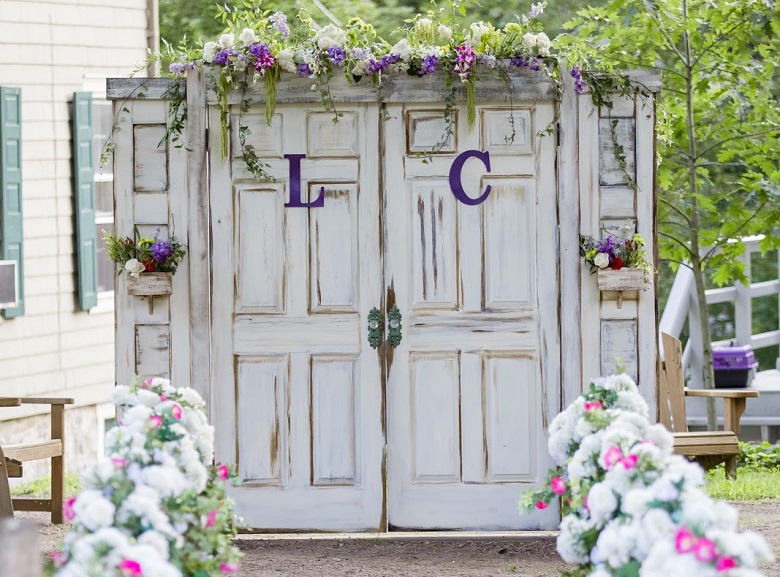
(455, 175)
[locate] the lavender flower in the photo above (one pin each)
(279, 21)
(536, 11)
(387, 60)
(336, 55)
(265, 59)
(161, 251)
(519, 60)
(305, 70)
(180, 67)
(223, 56)
(428, 65)
(534, 65)
(579, 84)
(359, 53)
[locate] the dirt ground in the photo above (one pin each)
(423, 555)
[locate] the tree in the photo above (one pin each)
(719, 174)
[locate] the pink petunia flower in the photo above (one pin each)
(542, 505)
(147, 384)
(122, 463)
(156, 421)
(705, 551)
(725, 563)
(163, 398)
(558, 485)
(176, 412)
(67, 509)
(223, 472)
(629, 462)
(612, 457)
(57, 557)
(130, 567)
(229, 567)
(212, 518)
(593, 406)
(684, 540)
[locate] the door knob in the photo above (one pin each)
(376, 326)
(394, 326)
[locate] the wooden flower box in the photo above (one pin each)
(150, 284)
(625, 279)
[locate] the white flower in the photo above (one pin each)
(209, 51)
(134, 267)
(569, 545)
(287, 61)
(227, 41)
(529, 40)
(424, 25)
(477, 29)
(248, 37)
(445, 32)
(93, 511)
(543, 44)
(403, 49)
(167, 481)
(330, 35)
(601, 260)
(601, 503)
(156, 541)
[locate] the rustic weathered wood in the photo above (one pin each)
(10, 401)
(58, 464)
(625, 279)
(14, 468)
(19, 549)
(40, 505)
(6, 507)
(716, 446)
(142, 88)
(34, 451)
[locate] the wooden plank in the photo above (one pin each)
(6, 510)
(47, 400)
(34, 451)
(58, 465)
(10, 401)
(675, 380)
(150, 284)
(15, 469)
(142, 88)
(32, 505)
(722, 393)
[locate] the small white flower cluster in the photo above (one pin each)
(632, 506)
(133, 518)
(539, 41)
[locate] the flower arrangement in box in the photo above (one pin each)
(619, 259)
(632, 508)
(143, 254)
(156, 507)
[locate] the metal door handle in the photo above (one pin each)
(376, 326)
(394, 327)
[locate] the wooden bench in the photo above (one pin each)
(13, 457)
(708, 448)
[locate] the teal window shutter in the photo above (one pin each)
(84, 199)
(11, 236)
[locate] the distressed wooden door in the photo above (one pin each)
(475, 378)
(298, 395)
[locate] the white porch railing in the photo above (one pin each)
(682, 303)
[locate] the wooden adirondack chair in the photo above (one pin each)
(708, 448)
(12, 458)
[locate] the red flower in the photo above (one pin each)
(616, 264)
(149, 264)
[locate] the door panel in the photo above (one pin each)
(474, 377)
(298, 400)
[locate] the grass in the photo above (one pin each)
(42, 487)
(751, 484)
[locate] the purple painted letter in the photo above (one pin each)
(295, 185)
(455, 172)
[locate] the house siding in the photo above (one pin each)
(51, 49)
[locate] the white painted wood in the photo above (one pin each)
(460, 365)
(266, 140)
(152, 351)
(327, 139)
(619, 346)
(507, 133)
(298, 283)
(625, 279)
(610, 171)
(150, 283)
(426, 132)
(150, 160)
(147, 88)
(617, 202)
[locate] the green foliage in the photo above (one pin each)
(145, 251)
(41, 488)
(759, 455)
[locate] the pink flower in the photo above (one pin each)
(176, 412)
(212, 518)
(155, 420)
(558, 485)
(629, 462)
(67, 509)
(704, 550)
(229, 567)
(593, 405)
(684, 541)
(725, 563)
(223, 472)
(163, 398)
(119, 462)
(541, 505)
(147, 384)
(130, 567)
(612, 457)
(57, 558)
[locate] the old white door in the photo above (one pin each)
(475, 378)
(297, 389)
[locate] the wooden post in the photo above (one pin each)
(19, 549)
(57, 464)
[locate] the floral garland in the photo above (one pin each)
(631, 507)
(261, 46)
(157, 506)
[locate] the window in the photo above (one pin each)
(102, 121)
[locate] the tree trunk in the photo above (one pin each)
(708, 374)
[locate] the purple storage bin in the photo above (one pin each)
(735, 366)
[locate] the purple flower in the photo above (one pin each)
(534, 65)
(279, 21)
(265, 59)
(336, 55)
(464, 61)
(519, 60)
(223, 56)
(428, 65)
(386, 60)
(161, 251)
(180, 67)
(579, 84)
(305, 70)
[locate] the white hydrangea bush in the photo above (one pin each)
(631, 507)
(156, 506)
